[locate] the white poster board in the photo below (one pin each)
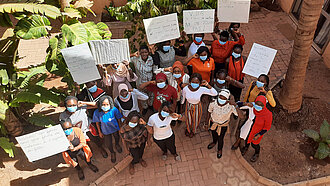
(43, 143)
(81, 63)
(237, 11)
(162, 28)
(110, 51)
(259, 61)
(198, 21)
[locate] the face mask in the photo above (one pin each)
(161, 85)
(164, 114)
(93, 89)
(198, 39)
(166, 48)
(235, 55)
(257, 107)
(72, 109)
(203, 58)
(221, 81)
(221, 101)
(222, 42)
(132, 125)
(177, 76)
(114, 68)
(124, 97)
(260, 84)
(105, 108)
(194, 85)
(68, 131)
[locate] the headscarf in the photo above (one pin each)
(161, 76)
(121, 71)
(224, 92)
(121, 87)
(264, 110)
(179, 65)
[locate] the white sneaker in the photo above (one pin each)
(177, 158)
(164, 157)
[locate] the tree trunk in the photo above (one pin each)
(291, 94)
(12, 124)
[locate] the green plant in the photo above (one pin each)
(323, 140)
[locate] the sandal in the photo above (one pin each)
(191, 135)
(254, 158)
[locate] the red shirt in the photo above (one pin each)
(169, 94)
(221, 52)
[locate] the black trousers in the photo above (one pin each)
(108, 140)
(95, 139)
(235, 91)
(219, 138)
(256, 147)
(167, 144)
(137, 153)
(74, 155)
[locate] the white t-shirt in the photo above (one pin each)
(162, 128)
(193, 48)
(221, 114)
(194, 97)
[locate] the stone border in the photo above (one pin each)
(113, 171)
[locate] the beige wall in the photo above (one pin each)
(286, 5)
(99, 5)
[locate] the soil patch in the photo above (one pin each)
(286, 153)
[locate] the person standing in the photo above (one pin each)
(107, 117)
(78, 147)
(223, 81)
(159, 125)
(261, 124)
(165, 54)
(193, 93)
(134, 135)
(235, 64)
(220, 111)
(196, 43)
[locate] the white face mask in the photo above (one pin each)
(132, 125)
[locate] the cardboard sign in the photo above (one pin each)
(81, 63)
(198, 21)
(43, 143)
(259, 61)
(110, 51)
(162, 28)
(237, 11)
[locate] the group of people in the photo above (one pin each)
(202, 90)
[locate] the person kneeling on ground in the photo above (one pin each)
(159, 125)
(220, 111)
(78, 147)
(134, 136)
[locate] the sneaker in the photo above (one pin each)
(143, 163)
(118, 148)
(219, 154)
(211, 145)
(93, 167)
(164, 157)
(177, 158)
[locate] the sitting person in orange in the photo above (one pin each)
(78, 147)
(221, 49)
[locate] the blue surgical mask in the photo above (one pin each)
(203, 58)
(93, 89)
(166, 48)
(127, 96)
(257, 107)
(161, 85)
(72, 109)
(221, 101)
(68, 131)
(221, 81)
(164, 114)
(105, 108)
(222, 42)
(235, 55)
(260, 84)
(194, 85)
(177, 75)
(132, 125)
(198, 39)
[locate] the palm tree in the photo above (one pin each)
(291, 94)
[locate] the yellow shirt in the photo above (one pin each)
(255, 92)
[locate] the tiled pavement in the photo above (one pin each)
(199, 166)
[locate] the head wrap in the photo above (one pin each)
(179, 65)
(121, 87)
(264, 110)
(161, 76)
(225, 93)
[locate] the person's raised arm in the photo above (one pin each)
(186, 62)
(238, 110)
(235, 82)
(144, 85)
(140, 95)
(210, 90)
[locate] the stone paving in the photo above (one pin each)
(199, 166)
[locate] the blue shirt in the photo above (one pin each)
(109, 123)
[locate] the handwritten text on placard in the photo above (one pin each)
(198, 21)
(162, 28)
(43, 143)
(259, 61)
(234, 11)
